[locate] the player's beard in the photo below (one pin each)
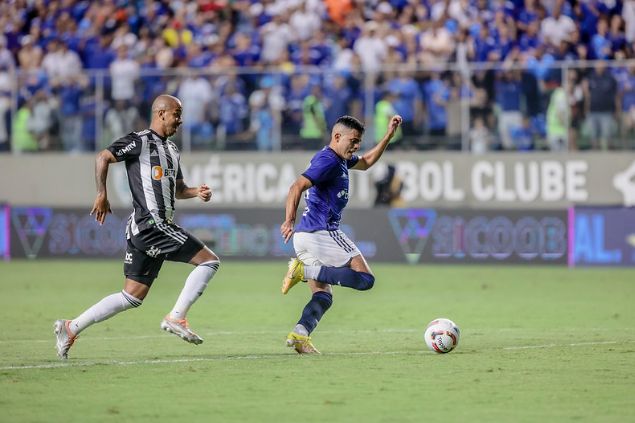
(173, 130)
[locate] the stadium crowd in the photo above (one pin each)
(74, 75)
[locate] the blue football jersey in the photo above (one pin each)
(328, 196)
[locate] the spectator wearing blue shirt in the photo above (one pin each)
(265, 104)
(523, 136)
(480, 10)
(527, 15)
(246, 53)
(97, 53)
(200, 28)
(294, 98)
(408, 103)
(506, 46)
(304, 55)
(70, 94)
(197, 57)
(600, 44)
(31, 82)
(484, 43)
(616, 37)
(437, 94)
(577, 46)
(233, 111)
(508, 96)
(529, 43)
(323, 46)
(600, 95)
(566, 53)
(626, 103)
(71, 37)
(337, 98)
(152, 84)
(587, 15)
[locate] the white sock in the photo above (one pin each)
(311, 272)
(105, 309)
(194, 286)
(301, 330)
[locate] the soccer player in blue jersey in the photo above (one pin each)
(325, 255)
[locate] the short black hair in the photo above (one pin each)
(351, 123)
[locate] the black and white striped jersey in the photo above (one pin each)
(152, 165)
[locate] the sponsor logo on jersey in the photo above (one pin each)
(158, 172)
(126, 149)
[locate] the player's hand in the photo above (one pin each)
(395, 122)
(286, 230)
(100, 209)
(203, 192)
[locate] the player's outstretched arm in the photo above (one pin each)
(183, 192)
(102, 206)
(371, 157)
(293, 199)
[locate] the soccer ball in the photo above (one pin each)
(442, 335)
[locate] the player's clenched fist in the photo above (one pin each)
(203, 192)
(395, 122)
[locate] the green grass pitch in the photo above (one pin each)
(538, 344)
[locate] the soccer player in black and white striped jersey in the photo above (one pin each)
(155, 179)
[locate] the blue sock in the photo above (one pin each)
(345, 276)
(315, 309)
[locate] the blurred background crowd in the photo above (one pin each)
(271, 75)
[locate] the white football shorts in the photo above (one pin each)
(324, 248)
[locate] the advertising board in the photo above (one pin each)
(382, 235)
(602, 236)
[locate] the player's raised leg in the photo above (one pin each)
(294, 275)
(356, 275)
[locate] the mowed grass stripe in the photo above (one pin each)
(269, 356)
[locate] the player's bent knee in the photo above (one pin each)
(367, 281)
(130, 300)
(212, 264)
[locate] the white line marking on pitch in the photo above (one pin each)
(220, 333)
(267, 356)
(224, 333)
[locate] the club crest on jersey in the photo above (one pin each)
(153, 251)
(158, 172)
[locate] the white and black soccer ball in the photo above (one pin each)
(442, 335)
